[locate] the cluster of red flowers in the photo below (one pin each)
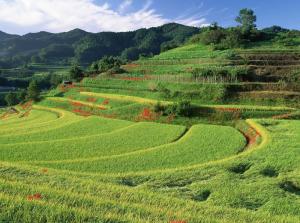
(66, 88)
(105, 102)
(147, 115)
(76, 104)
(82, 113)
(91, 99)
(36, 196)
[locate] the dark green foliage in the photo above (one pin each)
(164, 91)
(274, 30)
(158, 107)
(108, 63)
(247, 20)
(131, 53)
(167, 46)
(88, 47)
(55, 80)
(11, 99)
(203, 196)
(182, 108)
(76, 73)
(213, 36)
(3, 81)
(54, 52)
(290, 187)
(33, 91)
(21, 95)
(128, 182)
(220, 38)
(14, 98)
(240, 168)
(288, 39)
(269, 172)
(233, 39)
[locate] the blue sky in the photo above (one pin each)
(24, 16)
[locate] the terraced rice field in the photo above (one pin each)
(98, 153)
(72, 168)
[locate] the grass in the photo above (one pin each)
(107, 165)
(196, 146)
(48, 145)
(162, 197)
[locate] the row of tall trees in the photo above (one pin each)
(246, 32)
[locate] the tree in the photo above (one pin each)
(76, 73)
(21, 95)
(55, 79)
(131, 53)
(94, 67)
(247, 19)
(33, 91)
(11, 99)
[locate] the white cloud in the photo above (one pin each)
(64, 15)
(125, 5)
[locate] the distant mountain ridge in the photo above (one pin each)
(87, 47)
(5, 36)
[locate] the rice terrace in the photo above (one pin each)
(172, 124)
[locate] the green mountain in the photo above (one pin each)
(86, 47)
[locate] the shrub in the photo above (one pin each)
(212, 36)
(158, 107)
(182, 108)
(11, 99)
(33, 91)
(165, 92)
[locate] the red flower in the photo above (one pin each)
(76, 104)
(82, 113)
(36, 196)
(105, 102)
(91, 99)
(147, 115)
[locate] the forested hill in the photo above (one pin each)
(86, 47)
